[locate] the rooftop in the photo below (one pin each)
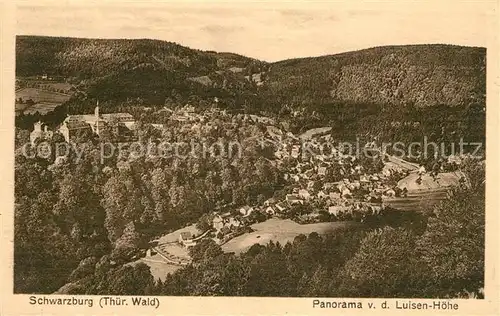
(76, 125)
(186, 235)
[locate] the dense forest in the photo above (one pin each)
(79, 221)
(424, 75)
(154, 71)
(444, 260)
(81, 207)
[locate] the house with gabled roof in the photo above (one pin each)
(186, 239)
(246, 210)
(293, 199)
(322, 171)
(304, 194)
(280, 208)
(270, 210)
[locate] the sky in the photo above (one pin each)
(268, 31)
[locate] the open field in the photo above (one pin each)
(313, 132)
(45, 101)
(204, 80)
(40, 95)
(159, 267)
(174, 236)
(279, 230)
(42, 108)
(443, 180)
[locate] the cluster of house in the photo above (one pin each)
(308, 174)
(311, 182)
(357, 192)
(255, 118)
(228, 225)
(343, 196)
(188, 113)
(336, 198)
(223, 225)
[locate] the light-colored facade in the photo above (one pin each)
(39, 133)
(97, 123)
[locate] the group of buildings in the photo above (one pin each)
(75, 125)
(309, 184)
(336, 183)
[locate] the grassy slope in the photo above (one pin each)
(278, 230)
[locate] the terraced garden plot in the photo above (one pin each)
(426, 194)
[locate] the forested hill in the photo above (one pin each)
(90, 58)
(153, 70)
(119, 69)
(423, 75)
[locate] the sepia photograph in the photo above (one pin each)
(333, 151)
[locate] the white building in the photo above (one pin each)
(96, 122)
(38, 133)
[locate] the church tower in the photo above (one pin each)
(96, 111)
(97, 118)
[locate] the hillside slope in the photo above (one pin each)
(153, 70)
(90, 58)
(122, 69)
(423, 75)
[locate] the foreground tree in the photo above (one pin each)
(385, 265)
(454, 242)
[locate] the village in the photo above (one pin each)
(322, 186)
(323, 183)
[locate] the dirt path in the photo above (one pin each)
(402, 163)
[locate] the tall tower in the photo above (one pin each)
(97, 119)
(37, 127)
(96, 111)
(37, 132)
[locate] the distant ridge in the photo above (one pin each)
(423, 75)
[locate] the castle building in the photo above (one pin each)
(95, 123)
(38, 133)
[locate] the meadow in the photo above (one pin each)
(279, 230)
(40, 95)
(45, 101)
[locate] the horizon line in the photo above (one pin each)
(247, 56)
